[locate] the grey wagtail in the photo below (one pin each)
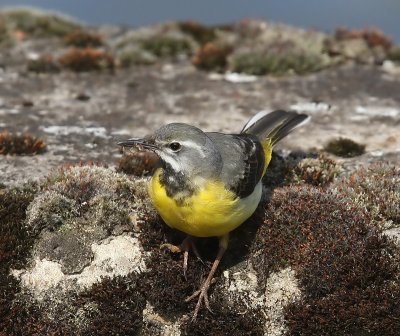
(210, 183)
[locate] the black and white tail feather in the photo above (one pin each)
(274, 125)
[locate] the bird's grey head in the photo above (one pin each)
(183, 149)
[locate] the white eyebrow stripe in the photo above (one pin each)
(191, 144)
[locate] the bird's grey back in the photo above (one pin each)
(243, 161)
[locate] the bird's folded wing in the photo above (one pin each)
(243, 161)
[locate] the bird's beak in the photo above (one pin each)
(146, 143)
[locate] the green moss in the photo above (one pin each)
(136, 57)
(377, 189)
(394, 54)
(38, 24)
(345, 147)
(50, 210)
(320, 171)
(301, 168)
(79, 198)
(166, 46)
(276, 62)
(5, 36)
(15, 240)
(79, 206)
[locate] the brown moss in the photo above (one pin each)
(211, 57)
(137, 163)
(370, 311)
(44, 64)
(110, 307)
(83, 39)
(20, 144)
(344, 147)
(343, 264)
(119, 306)
(88, 59)
(202, 34)
(373, 36)
(165, 285)
(226, 321)
(15, 246)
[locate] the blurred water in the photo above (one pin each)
(323, 15)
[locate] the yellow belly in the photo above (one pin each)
(213, 211)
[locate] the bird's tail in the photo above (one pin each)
(272, 127)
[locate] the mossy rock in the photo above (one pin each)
(15, 245)
(136, 56)
(344, 147)
(44, 64)
(394, 54)
(38, 24)
(166, 46)
(83, 39)
(377, 189)
(342, 262)
(20, 144)
(272, 62)
(201, 33)
(212, 57)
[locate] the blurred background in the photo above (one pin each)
(124, 68)
(322, 15)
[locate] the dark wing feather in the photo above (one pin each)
(244, 161)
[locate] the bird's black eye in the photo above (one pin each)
(175, 146)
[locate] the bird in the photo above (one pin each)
(209, 183)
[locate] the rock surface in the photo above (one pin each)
(79, 246)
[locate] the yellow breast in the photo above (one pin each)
(213, 211)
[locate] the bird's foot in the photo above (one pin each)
(202, 295)
(172, 248)
(184, 247)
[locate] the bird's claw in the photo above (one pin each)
(171, 248)
(202, 295)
